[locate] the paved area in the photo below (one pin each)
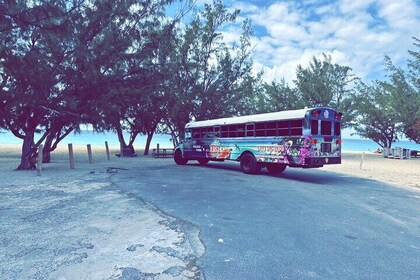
(303, 224)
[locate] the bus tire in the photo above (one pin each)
(179, 159)
(249, 164)
(276, 168)
(203, 161)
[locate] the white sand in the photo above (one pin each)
(399, 172)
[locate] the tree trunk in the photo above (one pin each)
(56, 133)
(174, 134)
(128, 150)
(150, 134)
(120, 137)
(28, 158)
(148, 141)
(46, 152)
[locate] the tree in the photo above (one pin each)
(32, 58)
(391, 108)
(323, 83)
(207, 81)
(133, 101)
(410, 112)
(250, 98)
(406, 102)
(58, 60)
(279, 96)
(134, 107)
(376, 118)
(60, 127)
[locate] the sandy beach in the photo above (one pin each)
(403, 173)
(398, 172)
(70, 220)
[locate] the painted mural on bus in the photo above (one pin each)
(307, 138)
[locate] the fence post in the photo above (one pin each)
(157, 149)
(89, 150)
(39, 160)
(107, 150)
(71, 156)
(361, 161)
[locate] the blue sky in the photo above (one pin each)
(356, 33)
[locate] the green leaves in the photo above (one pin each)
(323, 83)
(376, 118)
(208, 79)
(389, 109)
(279, 96)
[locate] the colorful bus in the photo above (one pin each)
(306, 138)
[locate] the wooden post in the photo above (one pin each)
(361, 161)
(107, 150)
(157, 149)
(39, 160)
(89, 150)
(71, 156)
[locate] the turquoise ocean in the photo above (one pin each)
(164, 141)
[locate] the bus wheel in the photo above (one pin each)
(179, 159)
(276, 168)
(203, 161)
(249, 164)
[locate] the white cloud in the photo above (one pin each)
(245, 7)
(351, 6)
(356, 33)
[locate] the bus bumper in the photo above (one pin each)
(320, 161)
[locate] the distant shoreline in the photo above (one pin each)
(98, 140)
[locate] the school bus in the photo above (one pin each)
(306, 138)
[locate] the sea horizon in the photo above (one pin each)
(164, 140)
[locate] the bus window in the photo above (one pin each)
(296, 131)
(296, 123)
(240, 130)
(314, 127)
(283, 124)
(296, 127)
(225, 130)
(188, 134)
(205, 132)
(271, 125)
(283, 132)
(271, 128)
(260, 129)
(271, 132)
(325, 127)
(337, 128)
(232, 130)
(283, 128)
(250, 130)
(196, 133)
(216, 130)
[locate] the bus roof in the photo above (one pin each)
(283, 115)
